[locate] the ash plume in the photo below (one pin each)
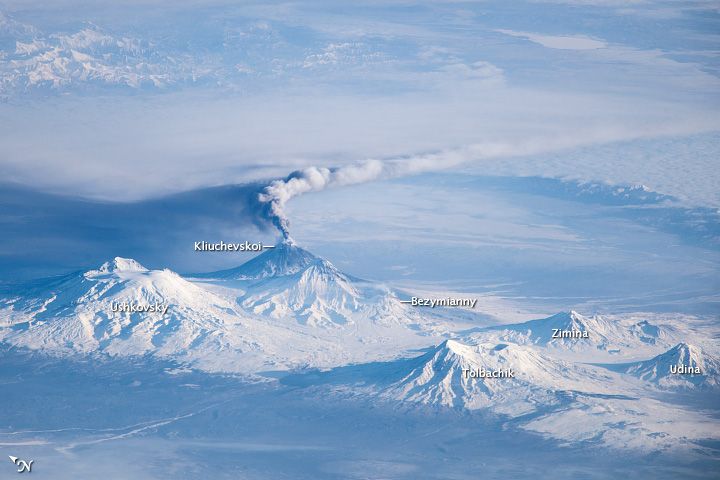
(275, 196)
(313, 179)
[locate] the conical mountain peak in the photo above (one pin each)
(285, 258)
(684, 365)
(456, 348)
(120, 264)
(684, 353)
(569, 320)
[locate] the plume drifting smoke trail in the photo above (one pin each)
(314, 179)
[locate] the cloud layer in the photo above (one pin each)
(140, 100)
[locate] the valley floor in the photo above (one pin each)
(146, 419)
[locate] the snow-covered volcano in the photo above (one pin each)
(683, 366)
(288, 282)
(571, 402)
(444, 376)
(123, 308)
(573, 332)
(118, 281)
(93, 312)
(506, 379)
(286, 258)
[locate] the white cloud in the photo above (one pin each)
(353, 84)
(561, 42)
(138, 147)
(476, 71)
(344, 53)
(645, 69)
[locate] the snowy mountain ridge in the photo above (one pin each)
(288, 282)
(506, 379)
(683, 366)
(123, 308)
(576, 333)
(82, 313)
(288, 310)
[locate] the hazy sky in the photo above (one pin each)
(148, 98)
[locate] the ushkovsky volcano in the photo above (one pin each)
(284, 315)
(76, 313)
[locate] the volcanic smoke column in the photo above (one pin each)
(313, 179)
